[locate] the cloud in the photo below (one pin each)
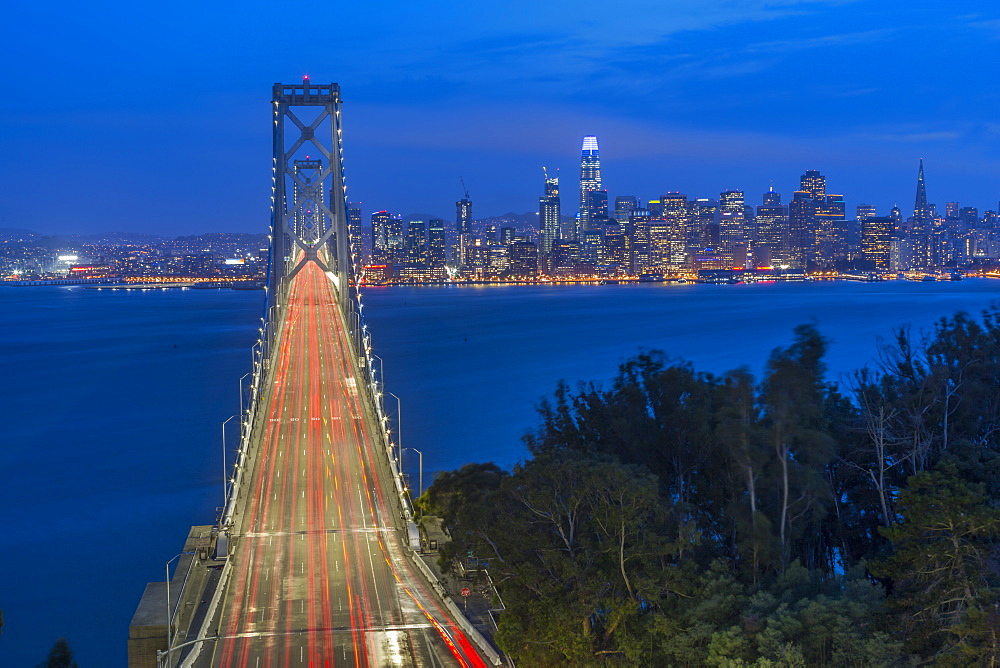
(822, 41)
(911, 137)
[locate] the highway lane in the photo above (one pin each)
(318, 572)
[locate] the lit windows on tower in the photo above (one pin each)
(549, 215)
(590, 179)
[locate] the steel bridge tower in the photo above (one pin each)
(308, 195)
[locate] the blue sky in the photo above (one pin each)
(156, 118)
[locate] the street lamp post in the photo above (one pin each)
(381, 371)
(166, 568)
(241, 390)
(225, 469)
(420, 489)
(399, 430)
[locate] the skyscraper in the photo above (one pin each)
(387, 238)
(829, 213)
(876, 242)
(817, 223)
(921, 233)
(801, 233)
(549, 217)
(813, 183)
(590, 179)
(678, 222)
(436, 252)
(597, 206)
(354, 229)
(731, 226)
(417, 251)
(463, 220)
(624, 206)
(772, 226)
(638, 241)
(865, 211)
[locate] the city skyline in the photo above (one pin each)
(156, 114)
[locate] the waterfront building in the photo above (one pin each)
(829, 216)
(817, 224)
(900, 254)
(638, 234)
(590, 179)
(969, 217)
(813, 183)
(354, 230)
(417, 251)
(597, 209)
(876, 242)
(463, 223)
(863, 211)
(707, 223)
(772, 226)
(436, 247)
(659, 243)
(491, 234)
(616, 252)
(523, 259)
(549, 215)
(921, 226)
(624, 206)
(591, 250)
(387, 238)
(732, 220)
(477, 256)
(679, 224)
(800, 229)
(563, 260)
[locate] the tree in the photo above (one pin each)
(465, 500)
(581, 559)
(943, 570)
(60, 656)
(793, 399)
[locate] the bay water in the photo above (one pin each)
(111, 404)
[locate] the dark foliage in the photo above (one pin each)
(60, 656)
(682, 518)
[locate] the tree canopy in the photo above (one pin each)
(677, 517)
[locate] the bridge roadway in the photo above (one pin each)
(318, 574)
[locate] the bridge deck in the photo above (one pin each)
(318, 574)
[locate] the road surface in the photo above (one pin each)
(318, 570)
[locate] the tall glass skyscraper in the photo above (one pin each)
(463, 220)
(590, 179)
(549, 215)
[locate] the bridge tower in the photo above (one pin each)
(308, 196)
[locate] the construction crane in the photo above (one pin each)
(464, 189)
